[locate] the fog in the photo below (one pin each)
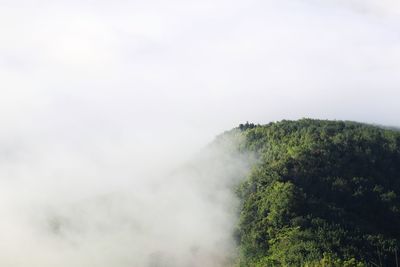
(63, 207)
(107, 110)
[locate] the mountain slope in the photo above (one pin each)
(323, 193)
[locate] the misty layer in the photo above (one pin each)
(180, 218)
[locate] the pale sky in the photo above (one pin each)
(201, 66)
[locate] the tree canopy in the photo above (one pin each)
(323, 193)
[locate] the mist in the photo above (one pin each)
(75, 209)
(107, 111)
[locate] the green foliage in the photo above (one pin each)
(323, 193)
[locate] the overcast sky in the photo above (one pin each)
(98, 99)
(124, 67)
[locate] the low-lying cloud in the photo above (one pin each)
(67, 209)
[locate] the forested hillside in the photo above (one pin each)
(323, 193)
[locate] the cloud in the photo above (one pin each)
(171, 60)
(65, 209)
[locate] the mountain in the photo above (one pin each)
(322, 193)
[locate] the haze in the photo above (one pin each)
(102, 101)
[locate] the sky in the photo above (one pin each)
(103, 97)
(200, 67)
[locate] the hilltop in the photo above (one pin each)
(322, 193)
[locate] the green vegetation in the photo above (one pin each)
(323, 193)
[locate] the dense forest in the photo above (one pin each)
(322, 193)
